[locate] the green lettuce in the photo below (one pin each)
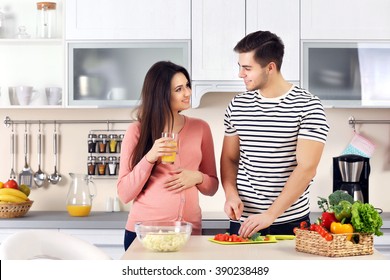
(366, 219)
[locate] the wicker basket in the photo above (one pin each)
(313, 243)
(13, 210)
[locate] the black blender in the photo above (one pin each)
(350, 174)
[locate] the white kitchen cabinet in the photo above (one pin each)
(31, 61)
(108, 240)
(347, 19)
(282, 18)
(217, 26)
(382, 243)
(124, 19)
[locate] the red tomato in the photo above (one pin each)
(221, 237)
(303, 225)
(328, 237)
(10, 184)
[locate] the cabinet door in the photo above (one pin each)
(124, 19)
(217, 25)
(282, 18)
(347, 19)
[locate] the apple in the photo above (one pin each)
(12, 184)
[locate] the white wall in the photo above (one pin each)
(73, 150)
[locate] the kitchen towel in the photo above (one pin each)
(359, 145)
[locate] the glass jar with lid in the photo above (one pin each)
(121, 136)
(92, 140)
(102, 165)
(113, 143)
(112, 165)
(91, 165)
(46, 19)
(102, 143)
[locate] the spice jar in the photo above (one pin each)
(113, 142)
(46, 19)
(121, 136)
(102, 164)
(112, 165)
(91, 165)
(92, 143)
(102, 143)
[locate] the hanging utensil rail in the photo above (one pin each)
(8, 121)
(352, 121)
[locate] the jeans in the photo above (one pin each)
(129, 238)
(286, 229)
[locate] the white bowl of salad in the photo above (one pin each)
(163, 236)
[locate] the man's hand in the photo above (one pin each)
(233, 208)
(254, 223)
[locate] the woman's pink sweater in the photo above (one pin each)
(154, 202)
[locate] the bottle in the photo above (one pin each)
(46, 20)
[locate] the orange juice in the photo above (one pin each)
(78, 210)
(171, 158)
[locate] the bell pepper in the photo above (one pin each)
(343, 210)
(327, 218)
(339, 228)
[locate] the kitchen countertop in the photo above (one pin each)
(199, 248)
(114, 220)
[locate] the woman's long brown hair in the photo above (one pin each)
(155, 109)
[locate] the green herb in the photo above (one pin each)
(256, 237)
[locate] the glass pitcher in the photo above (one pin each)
(80, 195)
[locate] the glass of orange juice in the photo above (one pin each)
(172, 145)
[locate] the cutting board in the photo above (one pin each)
(271, 239)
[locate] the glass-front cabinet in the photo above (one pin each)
(347, 73)
(31, 54)
(105, 74)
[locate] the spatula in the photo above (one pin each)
(26, 176)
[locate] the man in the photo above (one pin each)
(274, 137)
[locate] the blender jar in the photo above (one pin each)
(46, 19)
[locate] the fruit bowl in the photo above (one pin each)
(163, 236)
(14, 210)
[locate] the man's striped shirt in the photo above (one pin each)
(268, 129)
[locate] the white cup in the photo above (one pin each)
(54, 95)
(117, 94)
(13, 99)
(25, 94)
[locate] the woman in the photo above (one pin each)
(166, 192)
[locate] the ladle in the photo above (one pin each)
(13, 173)
(55, 177)
(39, 176)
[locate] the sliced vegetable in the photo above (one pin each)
(229, 237)
(339, 228)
